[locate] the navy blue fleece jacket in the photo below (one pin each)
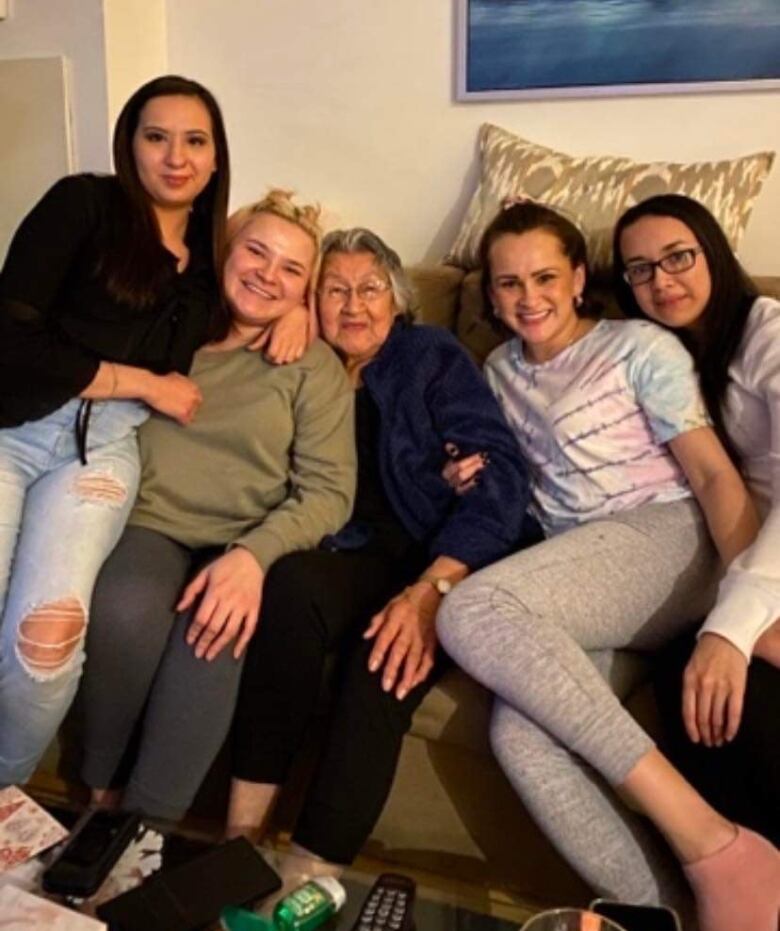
(429, 392)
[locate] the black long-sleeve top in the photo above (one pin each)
(58, 320)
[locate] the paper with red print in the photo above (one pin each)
(25, 828)
(22, 911)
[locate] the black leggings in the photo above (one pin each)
(155, 716)
(742, 778)
(315, 603)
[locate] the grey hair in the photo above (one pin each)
(359, 239)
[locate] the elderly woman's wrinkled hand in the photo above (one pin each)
(462, 473)
(230, 591)
(286, 339)
(405, 632)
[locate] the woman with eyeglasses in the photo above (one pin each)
(632, 489)
(674, 265)
(369, 595)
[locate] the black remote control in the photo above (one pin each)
(389, 906)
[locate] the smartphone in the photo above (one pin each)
(190, 896)
(637, 917)
(97, 841)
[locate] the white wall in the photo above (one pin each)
(110, 48)
(136, 48)
(35, 143)
(73, 28)
(350, 102)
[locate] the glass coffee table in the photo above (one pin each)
(434, 910)
(430, 913)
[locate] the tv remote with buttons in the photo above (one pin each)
(389, 906)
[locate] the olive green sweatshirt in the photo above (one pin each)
(267, 463)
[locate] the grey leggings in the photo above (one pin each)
(536, 629)
(143, 681)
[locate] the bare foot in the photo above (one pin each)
(105, 799)
(251, 832)
(295, 867)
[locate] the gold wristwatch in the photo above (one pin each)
(442, 586)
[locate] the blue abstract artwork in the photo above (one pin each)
(583, 45)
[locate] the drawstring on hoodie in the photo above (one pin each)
(82, 426)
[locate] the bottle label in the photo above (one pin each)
(305, 900)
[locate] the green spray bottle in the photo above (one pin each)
(309, 905)
(304, 909)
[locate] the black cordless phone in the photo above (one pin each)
(389, 906)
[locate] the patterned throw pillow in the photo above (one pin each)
(594, 191)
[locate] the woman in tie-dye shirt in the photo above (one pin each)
(638, 499)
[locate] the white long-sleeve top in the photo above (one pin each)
(749, 595)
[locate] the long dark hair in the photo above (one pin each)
(134, 262)
(731, 297)
(524, 217)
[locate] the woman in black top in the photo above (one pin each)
(108, 289)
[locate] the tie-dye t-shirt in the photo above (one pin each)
(594, 421)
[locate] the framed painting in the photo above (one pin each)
(584, 48)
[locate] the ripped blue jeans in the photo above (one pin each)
(59, 520)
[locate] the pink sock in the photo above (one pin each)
(738, 888)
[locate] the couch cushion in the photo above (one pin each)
(768, 286)
(437, 290)
(457, 709)
(472, 329)
(595, 190)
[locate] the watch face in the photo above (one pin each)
(442, 586)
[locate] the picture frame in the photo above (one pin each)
(525, 49)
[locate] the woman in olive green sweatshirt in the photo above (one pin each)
(267, 467)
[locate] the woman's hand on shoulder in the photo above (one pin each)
(462, 473)
(174, 395)
(229, 591)
(405, 638)
(713, 691)
(287, 338)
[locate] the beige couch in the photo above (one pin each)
(451, 811)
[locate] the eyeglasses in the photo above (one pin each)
(675, 263)
(368, 291)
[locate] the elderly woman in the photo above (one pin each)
(371, 592)
(266, 468)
